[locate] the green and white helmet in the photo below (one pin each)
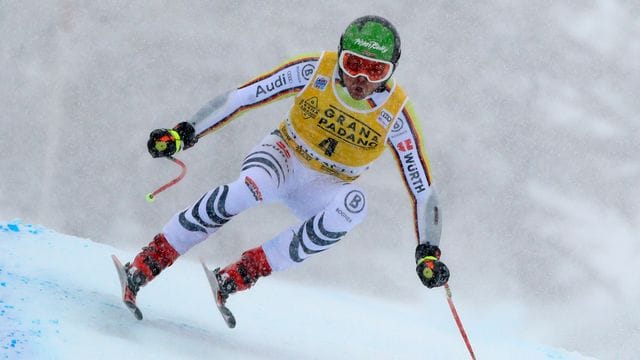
(372, 36)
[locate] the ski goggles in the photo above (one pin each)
(359, 65)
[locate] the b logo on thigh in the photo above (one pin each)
(354, 202)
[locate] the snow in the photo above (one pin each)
(60, 299)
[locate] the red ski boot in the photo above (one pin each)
(238, 276)
(154, 258)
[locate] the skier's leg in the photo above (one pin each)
(202, 219)
(186, 229)
(343, 212)
(264, 173)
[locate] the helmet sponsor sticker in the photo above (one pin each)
(371, 44)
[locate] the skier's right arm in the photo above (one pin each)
(285, 80)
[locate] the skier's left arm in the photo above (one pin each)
(405, 141)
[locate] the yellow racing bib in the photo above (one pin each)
(330, 136)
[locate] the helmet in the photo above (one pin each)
(372, 36)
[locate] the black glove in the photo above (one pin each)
(431, 271)
(166, 142)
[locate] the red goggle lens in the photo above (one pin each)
(356, 65)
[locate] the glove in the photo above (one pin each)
(166, 142)
(431, 271)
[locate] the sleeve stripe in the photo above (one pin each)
(270, 73)
(248, 107)
(414, 203)
(416, 134)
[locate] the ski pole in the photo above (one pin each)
(152, 195)
(458, 322)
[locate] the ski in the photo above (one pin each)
(228, 317)
(122, 275)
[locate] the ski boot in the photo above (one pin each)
(154, 258)
(237, 276)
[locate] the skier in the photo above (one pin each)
(346, 108)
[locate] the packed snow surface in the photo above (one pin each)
(60, 299)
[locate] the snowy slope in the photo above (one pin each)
(59, 299)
